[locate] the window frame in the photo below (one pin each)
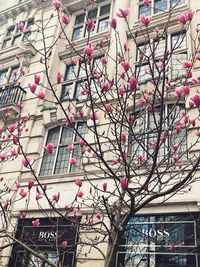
(98, 19)
(57, 146)
(168, 143)
(152, 11)
(8, 75)
(16, 34)
(76, 80)
(178, 51)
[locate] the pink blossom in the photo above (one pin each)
(197, 56)
(37, 78)
(104, 186)
(197, 133)
(105, 86)
(73, 161)
(23, 193)
(126, 66)
(88, 50)
(70, 147)
(147, 2)
(175, 147)
(189, 14)
(26, 161)
(186, 64)
(49, 148)
(41, 95)
(104, 60)
(59, 77)
(123, 136)
(5, 205)
(182, 18)
(38, 196)
(64, 244)
(133, 83)
(195, 80)
(20, 26)
(186, 90)
(192, 122)
(98, 215)
(3, 157)
(56, 197)
(80, 194)
(30, 184)
(17, 184)
(191, 104)
(124, 183)
(57, 4)
(113, 23)
(12, 128)
(126, 48)
(144, 21)
(94, 116)
(196, 100)
(179, 92)
(115, 161)
(82, 143)
(121, 91)
(78, 182)
(108, 108)
(32, 87)
(90, 25)
(36, 223)
(122, 13)
(65, 20)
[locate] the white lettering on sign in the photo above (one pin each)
(155, 233)
(47, 235)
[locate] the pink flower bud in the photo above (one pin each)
(90, 25)
(23, 193)
(122, 13)
(37, 78)
(59, 77)
(108, 108)
(104, 186)
(124, 183)
(126, 66)
(73, 161)
(20, 26)
(80, 194)
(49, 149)
(78, 182)
(147, 2)
(133, 83)
(65, 20)
(36, 223)
(26, 161)
(123, 136)
(121, 91)
(64, 245)
(57, 5)
(32, 87)
(41, 95)
(70, 147)
(17, 184)
(38, 196)
(82, 143)
(113, 23)
(30, 184)
(98, 215)
(56, 197)
(144, 21)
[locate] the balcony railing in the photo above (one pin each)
(11, 95)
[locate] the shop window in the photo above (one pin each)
(101, 17)
(45, 239)
(61, 137)
(14, 36)
(160, 241)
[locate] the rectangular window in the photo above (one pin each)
(100, 16)
(58, 161)
(76, 78)
(145, 133)
(8, 76)
(144, 10)
(160, 5)
(14, 36)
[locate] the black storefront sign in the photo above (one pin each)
(46, 239)
(161, 241)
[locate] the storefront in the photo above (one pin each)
(47, 239)
(161, 241)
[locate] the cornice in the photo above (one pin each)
(22, 7)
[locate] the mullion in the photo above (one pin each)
(57, 148)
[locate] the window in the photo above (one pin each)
(101, 17)
(178, 48)
(76, 81)
(8, 75)
(158, 6)
(146, 133)
(13, 35)
(46, 239)
(58, 161)
(148, 241)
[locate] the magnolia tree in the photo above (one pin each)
(141, 148)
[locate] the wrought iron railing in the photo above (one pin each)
(10, 95)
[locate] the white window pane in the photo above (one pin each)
(159, 47)
(77, 33)
(160, 5)
(177, 69)
(103, 25)
(179, 41)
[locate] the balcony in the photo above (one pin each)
(10, 96)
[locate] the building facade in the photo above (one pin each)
(170, 232)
